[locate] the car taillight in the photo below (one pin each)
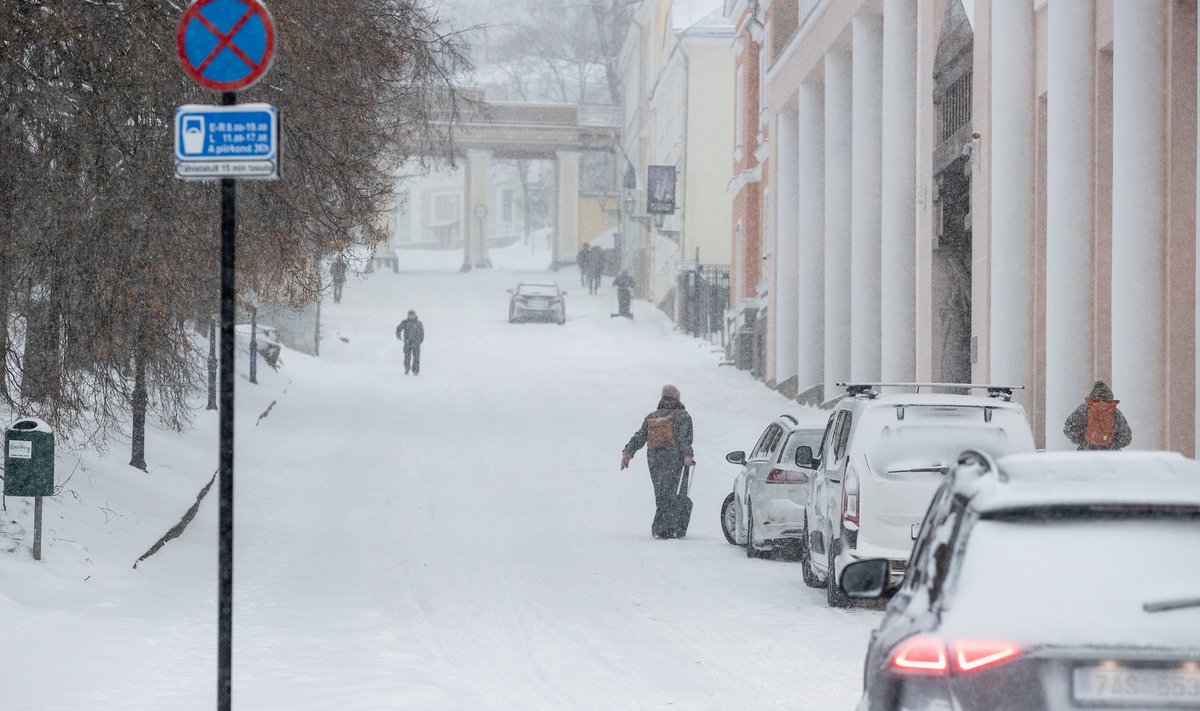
(776, 476)
(850, 497)
(976, 654)
(555, 301)
(926, 654)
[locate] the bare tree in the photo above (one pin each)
(107, 263)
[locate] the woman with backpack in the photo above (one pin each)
(667, 435)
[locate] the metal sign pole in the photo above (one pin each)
(225, 526)
(37, 528)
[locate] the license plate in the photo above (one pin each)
(1137, 684)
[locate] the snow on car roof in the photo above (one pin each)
(932, 399)
(1049, 479)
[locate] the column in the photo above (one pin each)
(1139, 223)
(1012, 155)
(837, 220)
(810, 232)
(566, 237)
(897, 249)
(477, 212)
(1070, 208)
(786, 259)
(866, 150)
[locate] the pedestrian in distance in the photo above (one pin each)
(582, 260)
(624, 286)
(412, 332)
(595, 269)
(338, 271)
(667, 435)
(1097, 423)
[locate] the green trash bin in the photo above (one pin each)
(29, 458)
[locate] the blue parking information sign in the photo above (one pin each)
(239, 141)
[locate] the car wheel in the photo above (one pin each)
(562, 318)
(512, 315)
(729, 519)
(811, 579)
(833, 591)
(751, 551)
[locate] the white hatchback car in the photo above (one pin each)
(881, 460)
(544, 302)
(765, 510)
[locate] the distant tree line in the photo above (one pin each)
(108, 264)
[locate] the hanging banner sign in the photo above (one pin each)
(239, 141)
(660, 190)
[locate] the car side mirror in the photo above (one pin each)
(738, 457)
(804, 457)
(866, 579)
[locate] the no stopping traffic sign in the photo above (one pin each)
(226, 45)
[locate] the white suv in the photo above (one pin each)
(881, 460)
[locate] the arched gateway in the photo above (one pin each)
(562, 133)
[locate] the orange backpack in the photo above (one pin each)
(1101, 422)
(660, 429)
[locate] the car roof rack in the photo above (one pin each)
(786, 416)
(1000, 392)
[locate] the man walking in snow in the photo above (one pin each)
(583, 261)
(338, 271)
(595, 269)
(412, 332)
(1097, 423)
(667, 435)
(624, 286)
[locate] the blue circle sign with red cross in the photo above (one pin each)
(226, 45)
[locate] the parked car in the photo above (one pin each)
(765, 510)
(545, 302)
(1045, 581)
(882, 458)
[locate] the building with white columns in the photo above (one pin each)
(995, 191)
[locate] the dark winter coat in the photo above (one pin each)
(338, 270)
(411, 330)
(1077, 423)
(624, 282)
(666, 459)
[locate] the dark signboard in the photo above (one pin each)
(660, 190)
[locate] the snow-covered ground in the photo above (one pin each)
(458, 540)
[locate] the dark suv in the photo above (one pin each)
(1045, 581)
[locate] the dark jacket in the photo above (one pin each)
(411, 330)
(681, 429)
(1077, 422)
(623, 282)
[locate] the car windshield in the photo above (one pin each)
(1105, 566)
(537, 290)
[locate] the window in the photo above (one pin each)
(843, 434)
(765, 442)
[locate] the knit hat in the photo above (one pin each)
(671, 392)
(1101, 391)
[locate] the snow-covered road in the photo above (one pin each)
(464, 539)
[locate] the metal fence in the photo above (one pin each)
(705, 292)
